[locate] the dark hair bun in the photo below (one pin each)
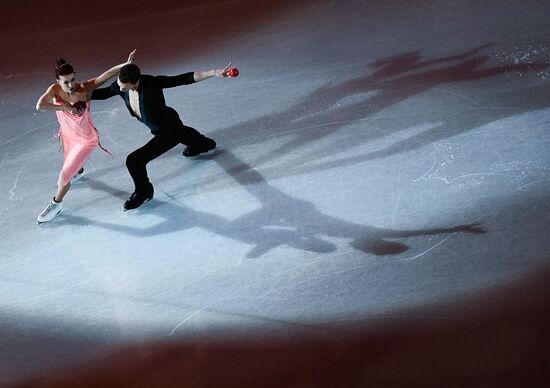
(63, 68)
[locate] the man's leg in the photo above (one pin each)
(136, 163)
(196, 142)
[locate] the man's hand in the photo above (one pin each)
(222, 73)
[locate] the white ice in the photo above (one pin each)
(356, 147)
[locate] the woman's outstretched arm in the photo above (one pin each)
(90, 85)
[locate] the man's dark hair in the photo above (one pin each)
(129, 73)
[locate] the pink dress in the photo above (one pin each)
(79, 138)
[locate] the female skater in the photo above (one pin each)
(79, 137)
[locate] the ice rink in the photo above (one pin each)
(377, 209)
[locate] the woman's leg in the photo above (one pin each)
(75, 156)
(61, 191)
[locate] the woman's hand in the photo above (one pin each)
(80, 107)
(69, 108)
(131, 56)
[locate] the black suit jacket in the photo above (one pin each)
(152, 105)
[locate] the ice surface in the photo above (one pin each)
(361, 152)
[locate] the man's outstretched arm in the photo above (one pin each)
(191, 77)
(105, 93)
(202, 75)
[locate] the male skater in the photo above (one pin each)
(144, 98)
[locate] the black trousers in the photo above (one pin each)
(161, 142)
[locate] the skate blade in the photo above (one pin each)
(47, 222)
(129, 210)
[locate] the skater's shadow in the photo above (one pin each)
(98, 185)
(281, 220)
(332, 107)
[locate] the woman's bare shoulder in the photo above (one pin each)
(53, 88)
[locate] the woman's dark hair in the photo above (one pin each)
(129, 73)
(63, 68)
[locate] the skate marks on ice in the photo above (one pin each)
(52, 289)
(282, 220)
(12, 196)
(321, 328)
(517, 174)
(28, 131)
(86, 287)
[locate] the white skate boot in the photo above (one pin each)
(50, 212)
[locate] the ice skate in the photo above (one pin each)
(208, 145)
(137, 199)
(49, 213)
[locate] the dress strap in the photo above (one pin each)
(100, 146)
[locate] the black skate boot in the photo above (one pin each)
(137, 199)
(206, 146)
